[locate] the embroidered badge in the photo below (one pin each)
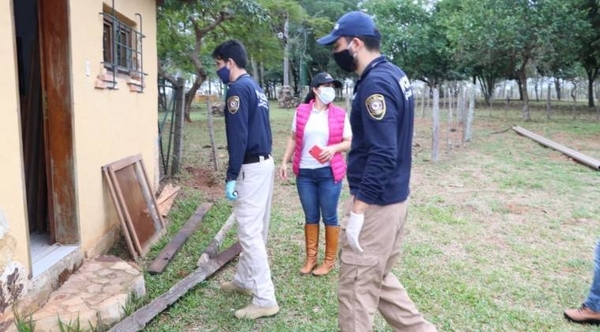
(376, 106)
(233, 104)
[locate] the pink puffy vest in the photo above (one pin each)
(336, 118)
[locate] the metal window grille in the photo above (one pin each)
(123, 47)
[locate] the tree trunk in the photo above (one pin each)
(262, 74)
(548, 103)
(191, 93)
(523, 90)
(446, 93)
(557, 86)
(436, 125)
(429, 91)
(463, 114)
(423, 91)
(574, 97)
(598, 104)
(487, 87)
(535, 89)
(590, 77)
(520, 85)
(254, 65)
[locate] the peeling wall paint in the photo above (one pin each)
(13, 282)
(13, 277)
(8, 244)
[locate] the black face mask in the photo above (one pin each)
(345, 60)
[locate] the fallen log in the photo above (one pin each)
(138, 320)
(580, 157)
(170, 250)
(213, 247)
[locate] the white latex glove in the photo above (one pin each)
(355, 224)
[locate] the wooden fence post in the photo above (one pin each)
(436, 125)
(179, 121)
(470, 113)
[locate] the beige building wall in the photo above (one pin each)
(108, 124)
(13, 241)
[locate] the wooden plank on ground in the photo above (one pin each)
(213, 248)
(166, 199)
(167, 192)
(167, 254)
(138, 320)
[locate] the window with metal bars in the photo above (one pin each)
(122, 46)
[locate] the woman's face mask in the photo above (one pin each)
(326, 94)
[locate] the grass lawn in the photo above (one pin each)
(500, 234)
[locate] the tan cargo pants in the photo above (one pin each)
(366, 283)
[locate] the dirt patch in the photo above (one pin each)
(579, 143)
(207, 182)
(516, 208)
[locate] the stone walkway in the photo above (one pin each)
(96, 295)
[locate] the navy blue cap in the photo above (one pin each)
(351, 24)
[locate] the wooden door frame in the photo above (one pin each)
(55, 41)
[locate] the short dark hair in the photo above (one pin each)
(232, 49)
(371, 43)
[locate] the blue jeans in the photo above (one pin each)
(593, 299)
(319, 195)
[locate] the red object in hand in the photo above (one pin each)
(315, 151)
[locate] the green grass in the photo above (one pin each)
(500, 233)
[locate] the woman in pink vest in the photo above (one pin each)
(320, 133)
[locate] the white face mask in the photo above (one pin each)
(327, 94)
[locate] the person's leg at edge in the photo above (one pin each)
(249, 210)
(308, 193)
(593, 298)
(395, 304)
(329, 195)
(360, 274)
(267, 211)
(589, 312)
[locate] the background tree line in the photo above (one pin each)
(483, 41)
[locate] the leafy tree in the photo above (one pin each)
(322, 16)
(589, 46)
(264, 39)
(184, 26)
(517, 32)
(414, 39)
(290, 12)
(467, 25)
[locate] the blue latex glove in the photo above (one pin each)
(230, 192)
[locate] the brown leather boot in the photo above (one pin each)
(583, 315)
(311, 238)
(331, 245)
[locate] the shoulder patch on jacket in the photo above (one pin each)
(375, 104)
(233, 104)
